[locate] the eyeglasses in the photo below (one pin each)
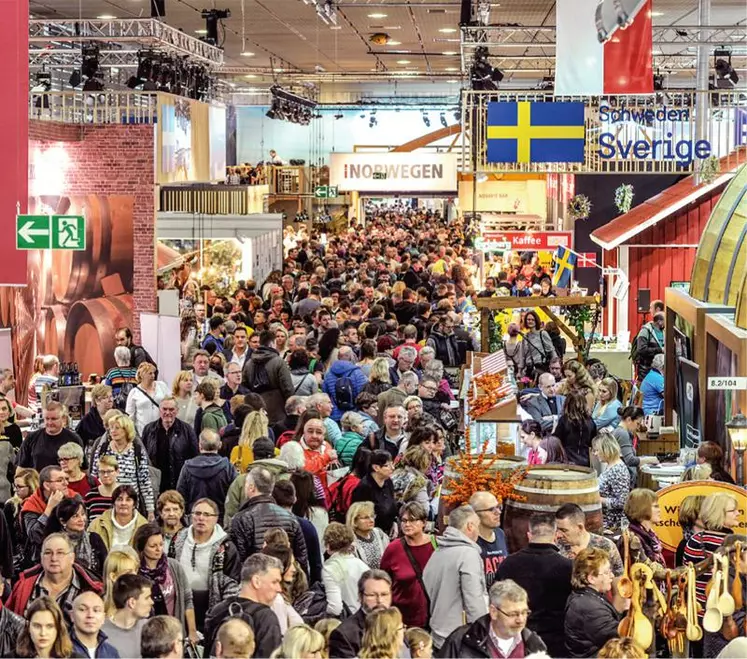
(514, 614)
(494, 509)
(379, 597)
(106, 472)
(55, 554)
(61, 460)
(201, 514)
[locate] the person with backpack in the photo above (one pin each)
(267, 374)
(261, 580)
(648, 344)
(343, 382)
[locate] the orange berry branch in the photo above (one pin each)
(490, 389)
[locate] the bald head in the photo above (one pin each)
(345, 354)
(235, 640)
(546, 384)
(481, 500)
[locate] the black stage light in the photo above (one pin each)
(442, 118)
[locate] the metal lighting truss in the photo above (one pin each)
(70, 58)
(145, 32)
(542, 38)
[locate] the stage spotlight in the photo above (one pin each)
(339, 115)
(426, 120)
(75, 78)
(442, 118)
(726, 76)
(43, 82)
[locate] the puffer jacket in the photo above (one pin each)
(225, 566)
(258, 515)
(455, 581)
(342, 369)
(183, 446)
(278, 373)
(11, 625)
(590, 621)
(471, 641)
(208, 476)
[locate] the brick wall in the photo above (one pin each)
(115, 160)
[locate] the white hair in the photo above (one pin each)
(658, 362)
(292, 454)
(122, 356)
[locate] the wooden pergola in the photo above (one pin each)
(488, 304)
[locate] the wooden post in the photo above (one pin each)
(485, 330)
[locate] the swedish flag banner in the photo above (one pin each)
(565, 260)
(525, 131)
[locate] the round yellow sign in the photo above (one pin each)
(668, 530)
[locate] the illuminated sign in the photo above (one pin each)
(534, 240)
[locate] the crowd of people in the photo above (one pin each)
(281, 496)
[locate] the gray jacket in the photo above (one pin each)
(183, 602)
(455, 580)
(538, 407)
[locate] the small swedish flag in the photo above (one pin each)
(565, 260)
(525, 131)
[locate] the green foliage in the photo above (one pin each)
(624, 197)
(579, 208)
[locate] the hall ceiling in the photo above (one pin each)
(288, 35)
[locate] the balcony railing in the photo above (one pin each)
(213, 199)
(104, 107)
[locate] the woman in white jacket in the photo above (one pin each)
(341, 570)
(144, 399)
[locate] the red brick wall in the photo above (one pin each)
(115, 160)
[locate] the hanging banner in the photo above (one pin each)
(532, 240)
(688, 403)
(393, 172)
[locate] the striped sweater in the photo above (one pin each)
(700, 546)
(134, 469)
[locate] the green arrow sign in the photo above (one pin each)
(32, 232)
(320, 192)
(50, 232)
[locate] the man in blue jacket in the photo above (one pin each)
(343, 382)
(88, 617)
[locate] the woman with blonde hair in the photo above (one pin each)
(144, 399)
(643, 513)
(132, 458)
(181, 389)
(614, 481)
(419, 642)
(622, 648)
(383, 635)
(256, 424)
(45, 633)
(325, 627)
(300, 642)
(719, 514)
(605, 412)
(578, 380)
(378, 380)
(370, 541)
(409, 479)
(120, 560)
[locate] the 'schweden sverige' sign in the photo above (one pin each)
(394, 172)
(50, 232)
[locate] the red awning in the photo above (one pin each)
(654, 210)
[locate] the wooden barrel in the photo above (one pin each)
(504, 466)
(7, 309)
(54, 324)
(721, 259)
(77, 275)
(546, 488)
(89, 336)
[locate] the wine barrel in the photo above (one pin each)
(77, 275)
(721, 259)
(546, 488)
(7, 310)
(503, 465)
(91, 324)
(54, 324)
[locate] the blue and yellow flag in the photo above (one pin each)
(525, 131)
(565, 260)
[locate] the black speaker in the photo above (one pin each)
(465, 16)
(644, 300)
(157, 8)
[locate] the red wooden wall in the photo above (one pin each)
(656, 267)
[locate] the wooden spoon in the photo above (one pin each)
(726, 602)
(625, 584)
(736, 586)
(643, 630)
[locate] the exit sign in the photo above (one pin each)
(51, 232)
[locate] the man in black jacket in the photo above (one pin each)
(40, 447)
(546, 576)
(209, 475)
(501, 633)
(259, 513)
(261, 581)
(138, 354)
(11, 626)
(170, 443)
(375, 594)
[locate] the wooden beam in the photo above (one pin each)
(484, 328)
(561, 325)
(425, 140)
(510, 302)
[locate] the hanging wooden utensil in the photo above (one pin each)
(624, 583)
(643, 630)
(726, 603)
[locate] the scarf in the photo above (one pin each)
(650, 543)
(163, 584)
(84, 551)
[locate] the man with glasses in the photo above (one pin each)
(491, 539)
(170, 443)
(375, 594)
(502, 633)
(58, 576)
(546, 576)
(210, 560)
(40, 448)
(455, 577)
(209, 475)
(38, 508)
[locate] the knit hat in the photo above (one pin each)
(263, 448)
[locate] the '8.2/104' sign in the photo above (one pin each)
(51, 232)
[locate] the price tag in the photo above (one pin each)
(727, 383)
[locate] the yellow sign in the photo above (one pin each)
(668, 530)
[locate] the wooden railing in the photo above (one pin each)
(213, 199)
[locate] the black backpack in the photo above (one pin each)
(260, 378)
(312, 604)
(120, 400)
(344, 394)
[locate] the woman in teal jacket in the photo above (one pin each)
(352, 436)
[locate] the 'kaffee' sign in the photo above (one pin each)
(531, 240)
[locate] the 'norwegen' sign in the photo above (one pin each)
(394, 172)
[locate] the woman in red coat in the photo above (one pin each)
(404, 560)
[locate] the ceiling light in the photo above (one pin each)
(279, 70)
(403, 61)
(251, 76)
(336, 27)
(394, 43)
(201, 31)
(106, 17)
(247, 53)
(451, 68)
(448, 30)
(452, 82)
(450, 52)
(657, 13)
(377, 15)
